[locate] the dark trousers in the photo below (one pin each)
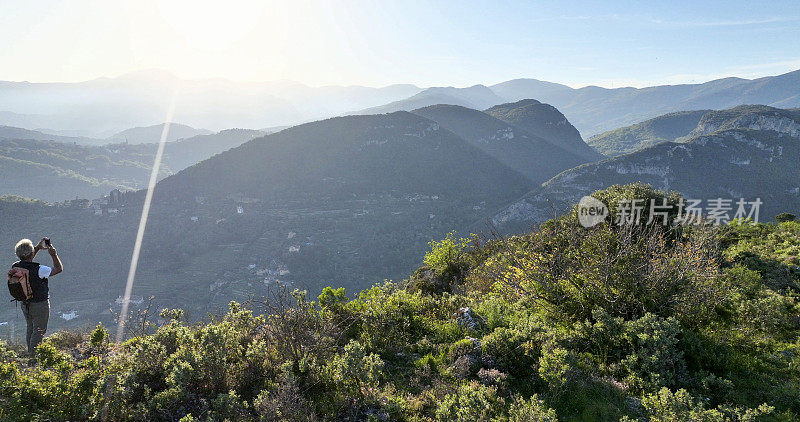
(36, 316)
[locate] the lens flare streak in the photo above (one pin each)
(143, 220)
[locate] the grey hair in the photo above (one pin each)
(24, 249)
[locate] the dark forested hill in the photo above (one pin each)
(544, 121)
(397, 153)
(531, 155)
(185, 152)
(51, 183)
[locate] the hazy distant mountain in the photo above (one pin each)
(31, 121)
(9, 132)
(648, 133)
(57, 171)
(749, 152)
(39, 180)
(536, 158)
(593, 109)
(544, 121)
(475, 97)
(520, 89)
(148, 134)
(75, 133)
(143, 98)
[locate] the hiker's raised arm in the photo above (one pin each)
(57, 267)
(39, 246)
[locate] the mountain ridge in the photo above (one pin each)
(474, 97)
(594, 110)
(219, 103)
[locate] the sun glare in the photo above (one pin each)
(212, 25)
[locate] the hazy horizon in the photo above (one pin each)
(295, 82)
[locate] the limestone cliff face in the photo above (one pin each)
(781, 124)
(750, 117)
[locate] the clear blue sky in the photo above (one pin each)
(377, 43)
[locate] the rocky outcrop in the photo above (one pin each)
(777, 123)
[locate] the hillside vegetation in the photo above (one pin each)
(562, 323)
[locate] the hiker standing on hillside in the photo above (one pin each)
(36, 309)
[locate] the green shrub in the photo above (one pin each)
(356, 371)
(496, 311)
(666, 406)
(445, 255)
(511, 351)
(66, 339)
(655, 360)
(531, 410)
(99, 337)
(332, 299)
(558, 368)
(471, 402)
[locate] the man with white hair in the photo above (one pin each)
(36, 309)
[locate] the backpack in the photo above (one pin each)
(19, 284)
